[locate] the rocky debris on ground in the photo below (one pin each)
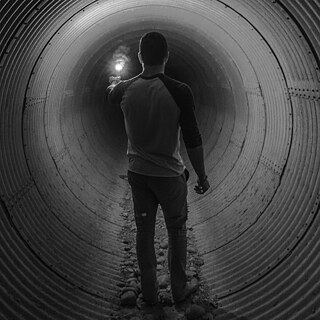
(195, 312)
(163, 281)
(131, 305)
(128, 298)
(164, 244)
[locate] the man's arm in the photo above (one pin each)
(196, 158)
(193, 141)
(112, 95)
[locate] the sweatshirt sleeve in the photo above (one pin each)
(189, 127)
(183, 96)
(114, 93)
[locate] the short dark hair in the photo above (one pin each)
(153, 48)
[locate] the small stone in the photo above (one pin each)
(199, 262)
(128, 263)
(132, 279)
(190, 274)
(136, 272)
(139, 302)
(161, 260)
(130, 288)
(164, 245)
(194, 283)
(129, 272)
(120, 284)
(195, 312)
(193, 269)
(170, 313)
(130, 275)
(208, 316)
(165, 298)
(192, 250)
(134, 285)
(128, 298)
(163, 281)
(159, 267)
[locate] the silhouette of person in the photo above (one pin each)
(156, 108)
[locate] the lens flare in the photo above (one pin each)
(118, 67)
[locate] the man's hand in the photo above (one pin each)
(203, 186)
(114, 80)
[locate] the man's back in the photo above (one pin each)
(154, 109)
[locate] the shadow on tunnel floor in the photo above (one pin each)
(182, 311)
(221, 314)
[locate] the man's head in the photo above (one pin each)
(153, 49)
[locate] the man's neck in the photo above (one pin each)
(149, 71)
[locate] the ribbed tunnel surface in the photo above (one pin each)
(254, 68)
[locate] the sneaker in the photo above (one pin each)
(141, 302)
(148, 307)
(191, 288)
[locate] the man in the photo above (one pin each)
(155, 107)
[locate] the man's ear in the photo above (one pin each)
(167, 57)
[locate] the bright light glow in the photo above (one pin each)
(119, 67)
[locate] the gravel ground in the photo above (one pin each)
(129, 304)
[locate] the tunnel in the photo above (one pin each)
(253, 66)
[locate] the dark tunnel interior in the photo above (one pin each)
(253, 66)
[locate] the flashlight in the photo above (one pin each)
(119, 65)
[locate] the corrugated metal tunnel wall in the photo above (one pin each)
(254, 69)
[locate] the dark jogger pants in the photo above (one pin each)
(171, 193)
